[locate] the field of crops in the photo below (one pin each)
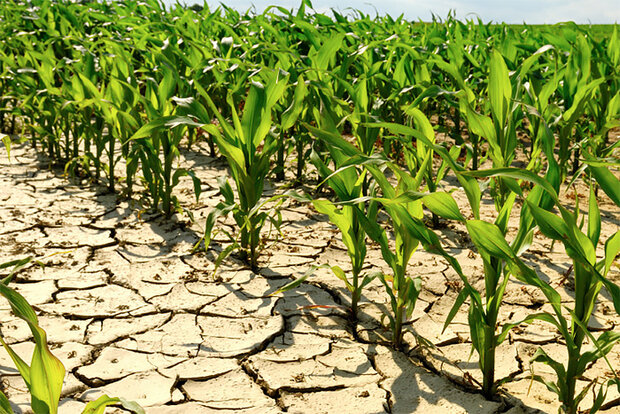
(213, 211)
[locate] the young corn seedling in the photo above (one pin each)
(419, 157)
(497, 255)
(163, 134)
(248, 146)
(483, 316)
(404, 208)
(499, 130)
(297, 109)
(404, 205)
(576, 89)
(45, 374)
(347, 182)
(590, 278)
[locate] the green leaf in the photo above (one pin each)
(99, 405)
(519, 174)
(45, 375)
(328, 51)
(603, 345)
(608, 182)
(339, 273)
(226, 190)
(499, 88)
(253, 114)
(339, 218)
(483, 126)
(594, 218)
(422, 123)
(460, 299)
(163, 123)
(507, 327)
(17, 266)
(580, 98)
(377, 233)
(333, 139)
(299, 280)
(472, 190)
(369, 278)
(180, 172)
(7, 143)
(504, 213)
(476, 329)
(443, 205)
(488, 238)
(542, 356)
(5, 406)
(197, 184)
(612, 247)
(290, 116)
(219, 211)
(598, 400)
(20, 364)
(278, 81)
(166, 86)
(549, 224)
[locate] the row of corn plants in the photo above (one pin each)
(382, 109)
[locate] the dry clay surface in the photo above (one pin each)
(131, 312)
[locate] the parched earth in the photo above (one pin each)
(131, 312)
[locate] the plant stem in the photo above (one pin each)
(253, 253)
(397, 334)
(474, 139)
(576, 161)
(167, 199)
(280, 158)
(569, 404)
(212, 147)
(488, 369)
(357, 292)
(67, 140)
(111, 160)
(300, 157)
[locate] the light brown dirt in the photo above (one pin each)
(131, 312)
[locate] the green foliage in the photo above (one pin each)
(45, 374)
(98, 85)
(248, 146)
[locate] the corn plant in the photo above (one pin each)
(604, 109)
(499, 130)
(45, 373)
(419, 156)
(297, 109)
(404, 205)
(248, 146)
(347, 182)
(404, 208)
(590, 278)
(483, 315)
(576, 89)
(163, 135)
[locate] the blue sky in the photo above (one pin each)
(509, 11)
